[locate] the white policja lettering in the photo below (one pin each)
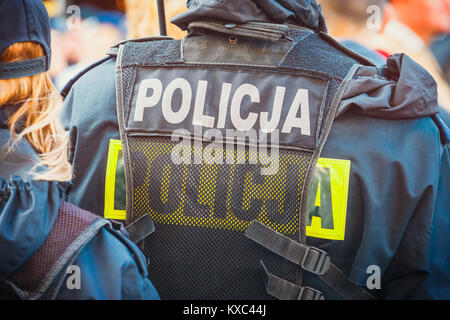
(245, 92)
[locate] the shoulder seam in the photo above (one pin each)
(350, 53)
(65, 91)
(144, 39)
(444, 131)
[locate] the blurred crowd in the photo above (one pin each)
(84, 30)
(379, 28)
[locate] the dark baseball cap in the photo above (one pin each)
(23, 21)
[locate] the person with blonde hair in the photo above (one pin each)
(142, 21)
(49, 248)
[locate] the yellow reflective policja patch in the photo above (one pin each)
(326, 206)
(327, 201)
(113, 182)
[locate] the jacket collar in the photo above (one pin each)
(305, 13)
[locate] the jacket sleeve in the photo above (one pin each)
(111, 268)
(437, 284)
(28, 210)
(89, 114)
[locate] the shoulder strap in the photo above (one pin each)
(443, 129)
(65, 91)
(310, 259)
(111, 53)
(42, 275)
(141, 228)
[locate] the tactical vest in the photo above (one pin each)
(198, 119)
(43, 274)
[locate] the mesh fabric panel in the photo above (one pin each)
(69, 225)
(201, 211)
(128, 76)
(298, 34)
(333, 86)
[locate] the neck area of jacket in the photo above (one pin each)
(305, 13)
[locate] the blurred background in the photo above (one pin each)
(379, 28)
(84, 29)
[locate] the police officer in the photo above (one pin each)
(49, 248)
(355, 203)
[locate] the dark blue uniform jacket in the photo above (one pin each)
(398, 199)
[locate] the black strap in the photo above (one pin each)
(336, 279)
(285, 290)
(141, 228)
(24, 68)
(69, 85)
(309, 258)
(111, 53)
(444, 131)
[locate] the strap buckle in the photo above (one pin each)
(315, 261)
(308, 293)
(141, 228)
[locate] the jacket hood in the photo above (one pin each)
(305, 13)
(401, 89)
(28, 209)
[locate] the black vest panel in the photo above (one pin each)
(198, 125)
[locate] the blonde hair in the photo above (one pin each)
(39, 108)
(142, 18)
